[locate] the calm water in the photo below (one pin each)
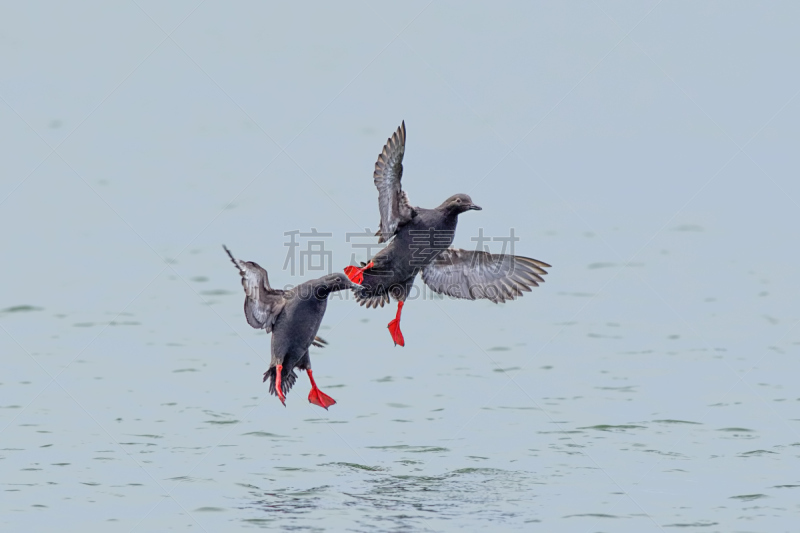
(647, 151)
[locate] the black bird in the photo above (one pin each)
(293, 317)
(421, 240)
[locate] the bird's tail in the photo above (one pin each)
(288, 378)
(319, 342)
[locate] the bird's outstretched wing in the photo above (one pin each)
(392, 200)
(480, 275)
(262, 304)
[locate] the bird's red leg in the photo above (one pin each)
(316, 396)
(356, 274)
(394, 327)
(278, 371)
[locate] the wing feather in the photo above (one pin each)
(262, 303)
(480, 275)
(392, 200)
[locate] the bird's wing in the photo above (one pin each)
(480, 275)
(262, 304)
(392, 200)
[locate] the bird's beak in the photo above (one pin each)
(474, 207)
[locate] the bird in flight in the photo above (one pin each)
(293, 317)
(419, 241)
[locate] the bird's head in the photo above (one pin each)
(458, 203)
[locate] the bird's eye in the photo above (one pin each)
(458, 200)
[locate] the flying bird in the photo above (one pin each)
(419, 241)
(293, 317)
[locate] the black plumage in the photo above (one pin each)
(419, 242)
(293, 317)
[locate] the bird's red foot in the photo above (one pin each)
(397, 335)
(394, 327)
(278, 390)
(316, 396)
(356, 274)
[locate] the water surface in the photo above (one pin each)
(646, 151)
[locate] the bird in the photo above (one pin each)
(419, 241)
(293, 317)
